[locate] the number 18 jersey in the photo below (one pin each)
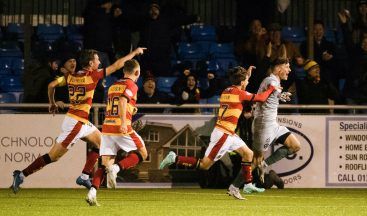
(121, 88)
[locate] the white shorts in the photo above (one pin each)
(111, 144)
(221, 143)
(73, 130)
(265, 136)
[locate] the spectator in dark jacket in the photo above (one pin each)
(355, 89)
(149, 94)
(315, 90)
(98, 24)
(324, 53)
(36, 79)
(155, 35)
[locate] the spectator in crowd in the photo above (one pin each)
(324, 53)
(149, 94)
(37, 77)
(360, 24)
(187, 91)
(98, 21)
(121, 31)
(355, 89)
(155, 35)
(316, 90)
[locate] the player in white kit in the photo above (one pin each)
(265, 128)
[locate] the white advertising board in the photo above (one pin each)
(23, 138)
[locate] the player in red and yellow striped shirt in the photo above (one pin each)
(223, 138)
(76, 125)
(117, 132)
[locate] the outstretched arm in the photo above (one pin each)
(261, 97)
(121, 61)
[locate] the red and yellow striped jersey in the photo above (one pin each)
(81, 87)
(121, 88)
(231, 106)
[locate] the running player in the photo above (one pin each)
(117, 132)
(266, 131)
(76, 125)
(223, 138)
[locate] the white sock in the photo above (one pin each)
(93, 191)
(116, 168)
(21, 175)
(84, 176)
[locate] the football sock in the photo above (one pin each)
(98, 177)
(189, 162)
(131, 160)
(277, 155)
(238, 181)
(246, 172)
(36, 165)
(84, 176)
(92, 158)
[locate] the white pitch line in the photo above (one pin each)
(260, 195)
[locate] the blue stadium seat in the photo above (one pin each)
(204, 47)
(214, 99)
(17, 65)
(222, 50)
(164, 83)
(7, 98)
(10, 49)
(5, 66)
(16, 31)
(49, 32)
(203, 33)
(74, 33)
(213, 66)
(11, 83)
(293, 34)
(190, 51)
(225, 64)
(139, 82)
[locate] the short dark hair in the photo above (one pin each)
(237, 74)
(319, 22)
(278, 61)
(86, 56)
(130, 65)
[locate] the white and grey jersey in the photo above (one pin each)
(267, 111)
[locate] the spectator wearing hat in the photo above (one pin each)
(67, 65)
(316, 90)
(149, 94)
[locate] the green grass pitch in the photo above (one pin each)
(176, 202)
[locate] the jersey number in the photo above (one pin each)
(224, 107)
(113, 106)
(78, 91)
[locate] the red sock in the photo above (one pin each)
(98, 177)
(189, 162)
(92, 158)
(247, 172)
(131, 160)
(36, 165)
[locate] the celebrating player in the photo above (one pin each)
(117, 132)
(266, 130)
(223, 138)
(76, 125)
